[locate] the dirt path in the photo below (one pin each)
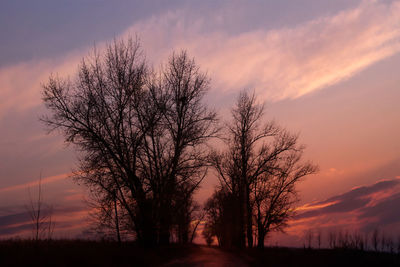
(206, 256)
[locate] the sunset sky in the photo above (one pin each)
(329, 70)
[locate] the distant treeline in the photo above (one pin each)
(376, 240)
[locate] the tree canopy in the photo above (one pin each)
(141, 134)
(258, 172)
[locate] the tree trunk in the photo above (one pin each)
(164, 235)
(260, 243)
(260, 229)
(249, 222)
(146, 227)
(193, 234)
(261, 237)
(117, 221)
(239, 214)
(165, 225)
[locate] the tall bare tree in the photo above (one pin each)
(174, 150)
(141, 133)
(259, 169)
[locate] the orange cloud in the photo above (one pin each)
(313, 206)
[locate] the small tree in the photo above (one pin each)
(221, 219)
(208, 234)
(40, 214)
(309, 236)
(375, 239)
(332, 239)
(197, 220)
(319, 238)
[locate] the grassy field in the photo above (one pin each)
(94, 253)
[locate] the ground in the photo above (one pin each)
(210, 256)
(106, 253)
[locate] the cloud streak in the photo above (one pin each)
(361, 199)
(65, 219)
(21, 84)
(363, 208)
(279, 64)
(360, 210)
(285, 63)
(45, 180)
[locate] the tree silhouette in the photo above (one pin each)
(208, 234)
(259, 170)
(40, 214)
(141, 133)
(108, 219)
(221, 217)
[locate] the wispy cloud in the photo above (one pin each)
(65, 219)
(287, 62)
(21, 84)
(45, 180)
(362, 197)
(279, 64)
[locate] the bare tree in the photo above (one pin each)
(40, 214)
(375, 239)
(221, 217)
(208, 234)
(197, 220)
(332, 239)
(174, 150)
(275, 194)
(141, 133)
(366, 241)
(319, 238)
(260, 169)
(101, 114)
(309, 236)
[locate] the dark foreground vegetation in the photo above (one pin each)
(98, 253)
(320, 257)
(86, 253)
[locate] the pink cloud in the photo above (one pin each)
(287, 62)
(35, 183)
(281, 63)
